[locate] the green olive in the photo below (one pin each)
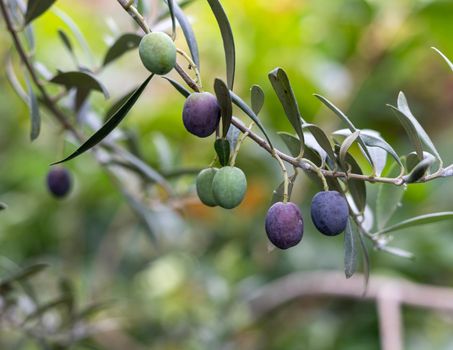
(157, 52)
(204, 186)
(229, 186)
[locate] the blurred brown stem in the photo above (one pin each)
(389, 294)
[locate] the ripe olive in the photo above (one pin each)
(329, 212)
(284, 225)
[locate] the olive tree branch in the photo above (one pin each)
(295, 162)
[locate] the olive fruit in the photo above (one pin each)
(229, 186)
(201, 114)
(284, 225)
(157, 52)
(329, 212)
(204, 186)
(59, 181)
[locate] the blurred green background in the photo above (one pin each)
(190, 291)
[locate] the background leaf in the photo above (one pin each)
(35, 117)
(80, 80)
(450, 64)
(36, 8)
(123, 44)
(419, 220)
(350, 250)
(228, 40)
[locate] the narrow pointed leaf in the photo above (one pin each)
(181, 89)
(419, 220)
(350, 250)
(66, 41)
(224, 98)
(23, 274)
(110, 124)
(348, 122)
(284, 91)
(419, 170)
(222, 148)
(373, 140)
(450, 64)
(228, 40)
(188, 34)
(35, 117)
(398, 252)
(36, 8)
(366, 261)
(247, 110)
(413, 128)
(14, 81)
(291, 142)
(117, 104)
(75, 31)
(357, 188)
(123, 44)
(345, 146)
(171, 10)
(321, 138)
(257, 98)
(80, 80)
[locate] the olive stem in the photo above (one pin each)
(285, 176)
(318, 172)
(239, 143)
(191, 65)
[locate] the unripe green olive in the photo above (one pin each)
(229, 186)
(157, 52)
(204, 186)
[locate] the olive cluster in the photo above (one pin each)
(226, 187)
(285, 226)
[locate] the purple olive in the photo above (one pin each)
(284, 225)
(201, 114)
(329, 212)
(59, 182)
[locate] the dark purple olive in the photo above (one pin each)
(284, 225)
(59, 181)
(329, 212)
(201, 114)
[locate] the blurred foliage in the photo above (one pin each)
(189, 290)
